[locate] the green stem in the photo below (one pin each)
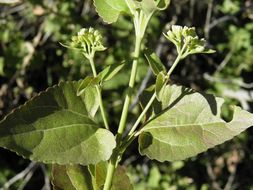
(153, 97)
(123, 118)
(115, 158)
(133, 134)
(101, 105)
(110, 171)
(173, 66)
(93, 68)
(142, 114)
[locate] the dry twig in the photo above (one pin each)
(26, 172)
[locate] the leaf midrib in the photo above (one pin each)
(55, 128)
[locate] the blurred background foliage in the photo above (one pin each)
(31, 59)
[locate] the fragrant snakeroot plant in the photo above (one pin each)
(58, 126)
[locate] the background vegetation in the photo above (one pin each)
(31, 59)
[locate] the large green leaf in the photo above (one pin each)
(55, 127)
(188, 123)
(109, 10)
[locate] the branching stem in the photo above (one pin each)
(101, 105)
(140, 23)
(133, 133)
(114, 158)
(123, 118)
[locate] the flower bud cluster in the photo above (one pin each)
(187, 41)
(88, 41)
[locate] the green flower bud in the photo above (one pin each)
(87, 41)
(187, 41)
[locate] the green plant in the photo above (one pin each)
(59, 125)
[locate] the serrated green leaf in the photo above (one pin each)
(154, 61)
(109, 10)
(55, 127)
(110, 71)
(189, 123)
(89, 81)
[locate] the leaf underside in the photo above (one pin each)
(188, 123)
(109, 10)
(56, 127)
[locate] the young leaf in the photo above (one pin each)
(55, 127)
(91, 100)
(160, 86)
(189, 123)
(109, 10)
(154, 62)
(162, 4)
(110, 71)
(87, 82)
